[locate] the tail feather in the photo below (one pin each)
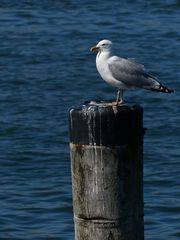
(162, 88)
(155, 85)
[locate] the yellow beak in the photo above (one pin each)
(94, 49)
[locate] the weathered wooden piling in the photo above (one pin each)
(106, 146)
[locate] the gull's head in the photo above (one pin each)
(103, 46)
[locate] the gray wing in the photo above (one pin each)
(131, 73)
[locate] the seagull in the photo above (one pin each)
(124, 73)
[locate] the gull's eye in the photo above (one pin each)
(104, 45)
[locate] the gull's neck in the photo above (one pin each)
(103, 55)
(101, 61)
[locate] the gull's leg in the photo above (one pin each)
(119, 96)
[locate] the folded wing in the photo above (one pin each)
(131, 73)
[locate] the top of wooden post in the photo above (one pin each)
(100, 123)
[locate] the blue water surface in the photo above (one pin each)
(45, 68)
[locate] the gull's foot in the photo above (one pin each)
(118, 103)
(113, 104)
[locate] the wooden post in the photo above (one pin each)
(106, 146)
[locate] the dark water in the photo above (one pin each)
(45, 68)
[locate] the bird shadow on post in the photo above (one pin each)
(106, 146)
